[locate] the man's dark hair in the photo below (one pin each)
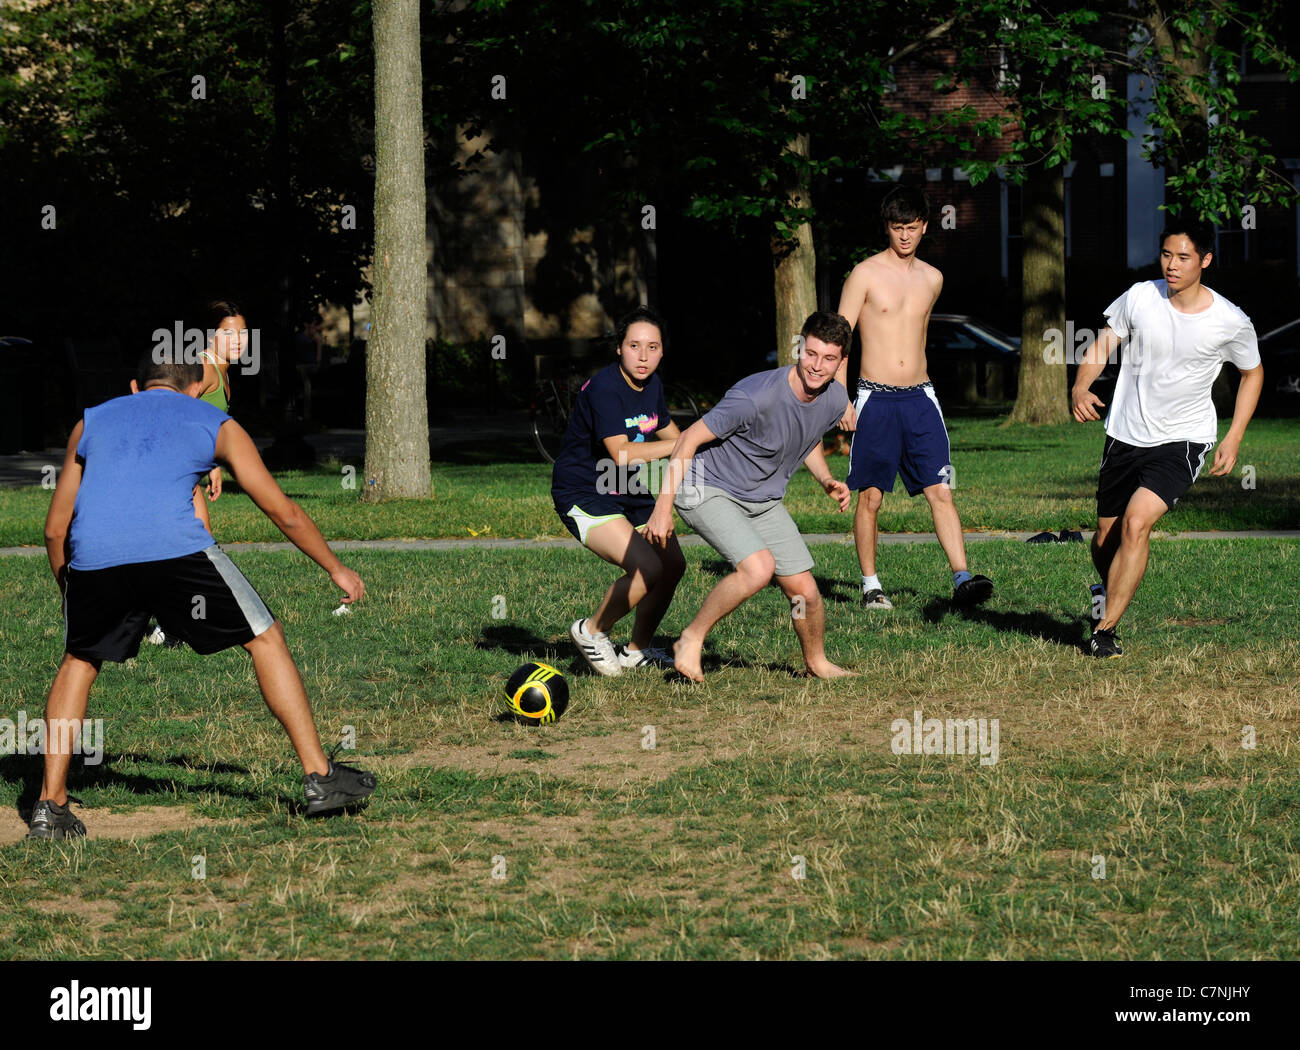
(640, 314)
(905, 204)
(829, 328)
(172, 371)
(1201, 234)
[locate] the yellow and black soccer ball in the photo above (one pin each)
(537, 693)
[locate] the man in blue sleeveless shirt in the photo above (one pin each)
(124, 545)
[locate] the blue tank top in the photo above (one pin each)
(142, 455)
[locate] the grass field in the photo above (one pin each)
(689, 849)
(1006, 479)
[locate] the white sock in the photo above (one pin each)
(871, 583)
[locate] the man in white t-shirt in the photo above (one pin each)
(1176, 334)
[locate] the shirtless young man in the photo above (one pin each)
(898, 426)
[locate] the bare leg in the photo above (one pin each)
(947, 525)
(645, 576)
(808, 613)
(282, 689)
(751, 576)
(865, 532)
(1129, 565)
(67, 700)
(651, 609)
(1105, 542)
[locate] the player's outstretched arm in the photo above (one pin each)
(660, 525)
(59, 518)
(1252, 385)
(815, 461)
(1084, 402)
(236, 449)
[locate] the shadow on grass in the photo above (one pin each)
(522, 645)
(849, 592)
(1069, 633)
(28, 770)
(508, 638)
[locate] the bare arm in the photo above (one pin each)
(815, 461)
(660, 525)
(1085, 403)
(236, 449)
(59, 517)
(853, 297)
(1252, 384)
(623, 451)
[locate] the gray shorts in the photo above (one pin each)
(736, 528)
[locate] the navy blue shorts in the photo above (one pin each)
(899, 432)
(596, 509)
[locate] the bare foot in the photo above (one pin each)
(686, 658)
(826, 669)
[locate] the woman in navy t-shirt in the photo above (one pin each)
(619, 423)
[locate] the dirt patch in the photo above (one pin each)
(94, 913)
(101, 824)
(612, 760)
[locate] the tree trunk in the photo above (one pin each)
(795, 268)
(1042, 396)
(397, 418)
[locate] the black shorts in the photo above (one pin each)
(1167, 470)
(202, 599)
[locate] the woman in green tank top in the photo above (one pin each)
(230, 331)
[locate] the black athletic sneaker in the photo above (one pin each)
(975, 591)
(342, 786)
(52, 821)
(876, 599)
(1104, 644)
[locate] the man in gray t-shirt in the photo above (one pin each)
(732, 468)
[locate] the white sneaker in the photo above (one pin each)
(596, 649)
(158, 637)
(650, 657)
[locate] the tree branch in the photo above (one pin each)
(916, 45)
